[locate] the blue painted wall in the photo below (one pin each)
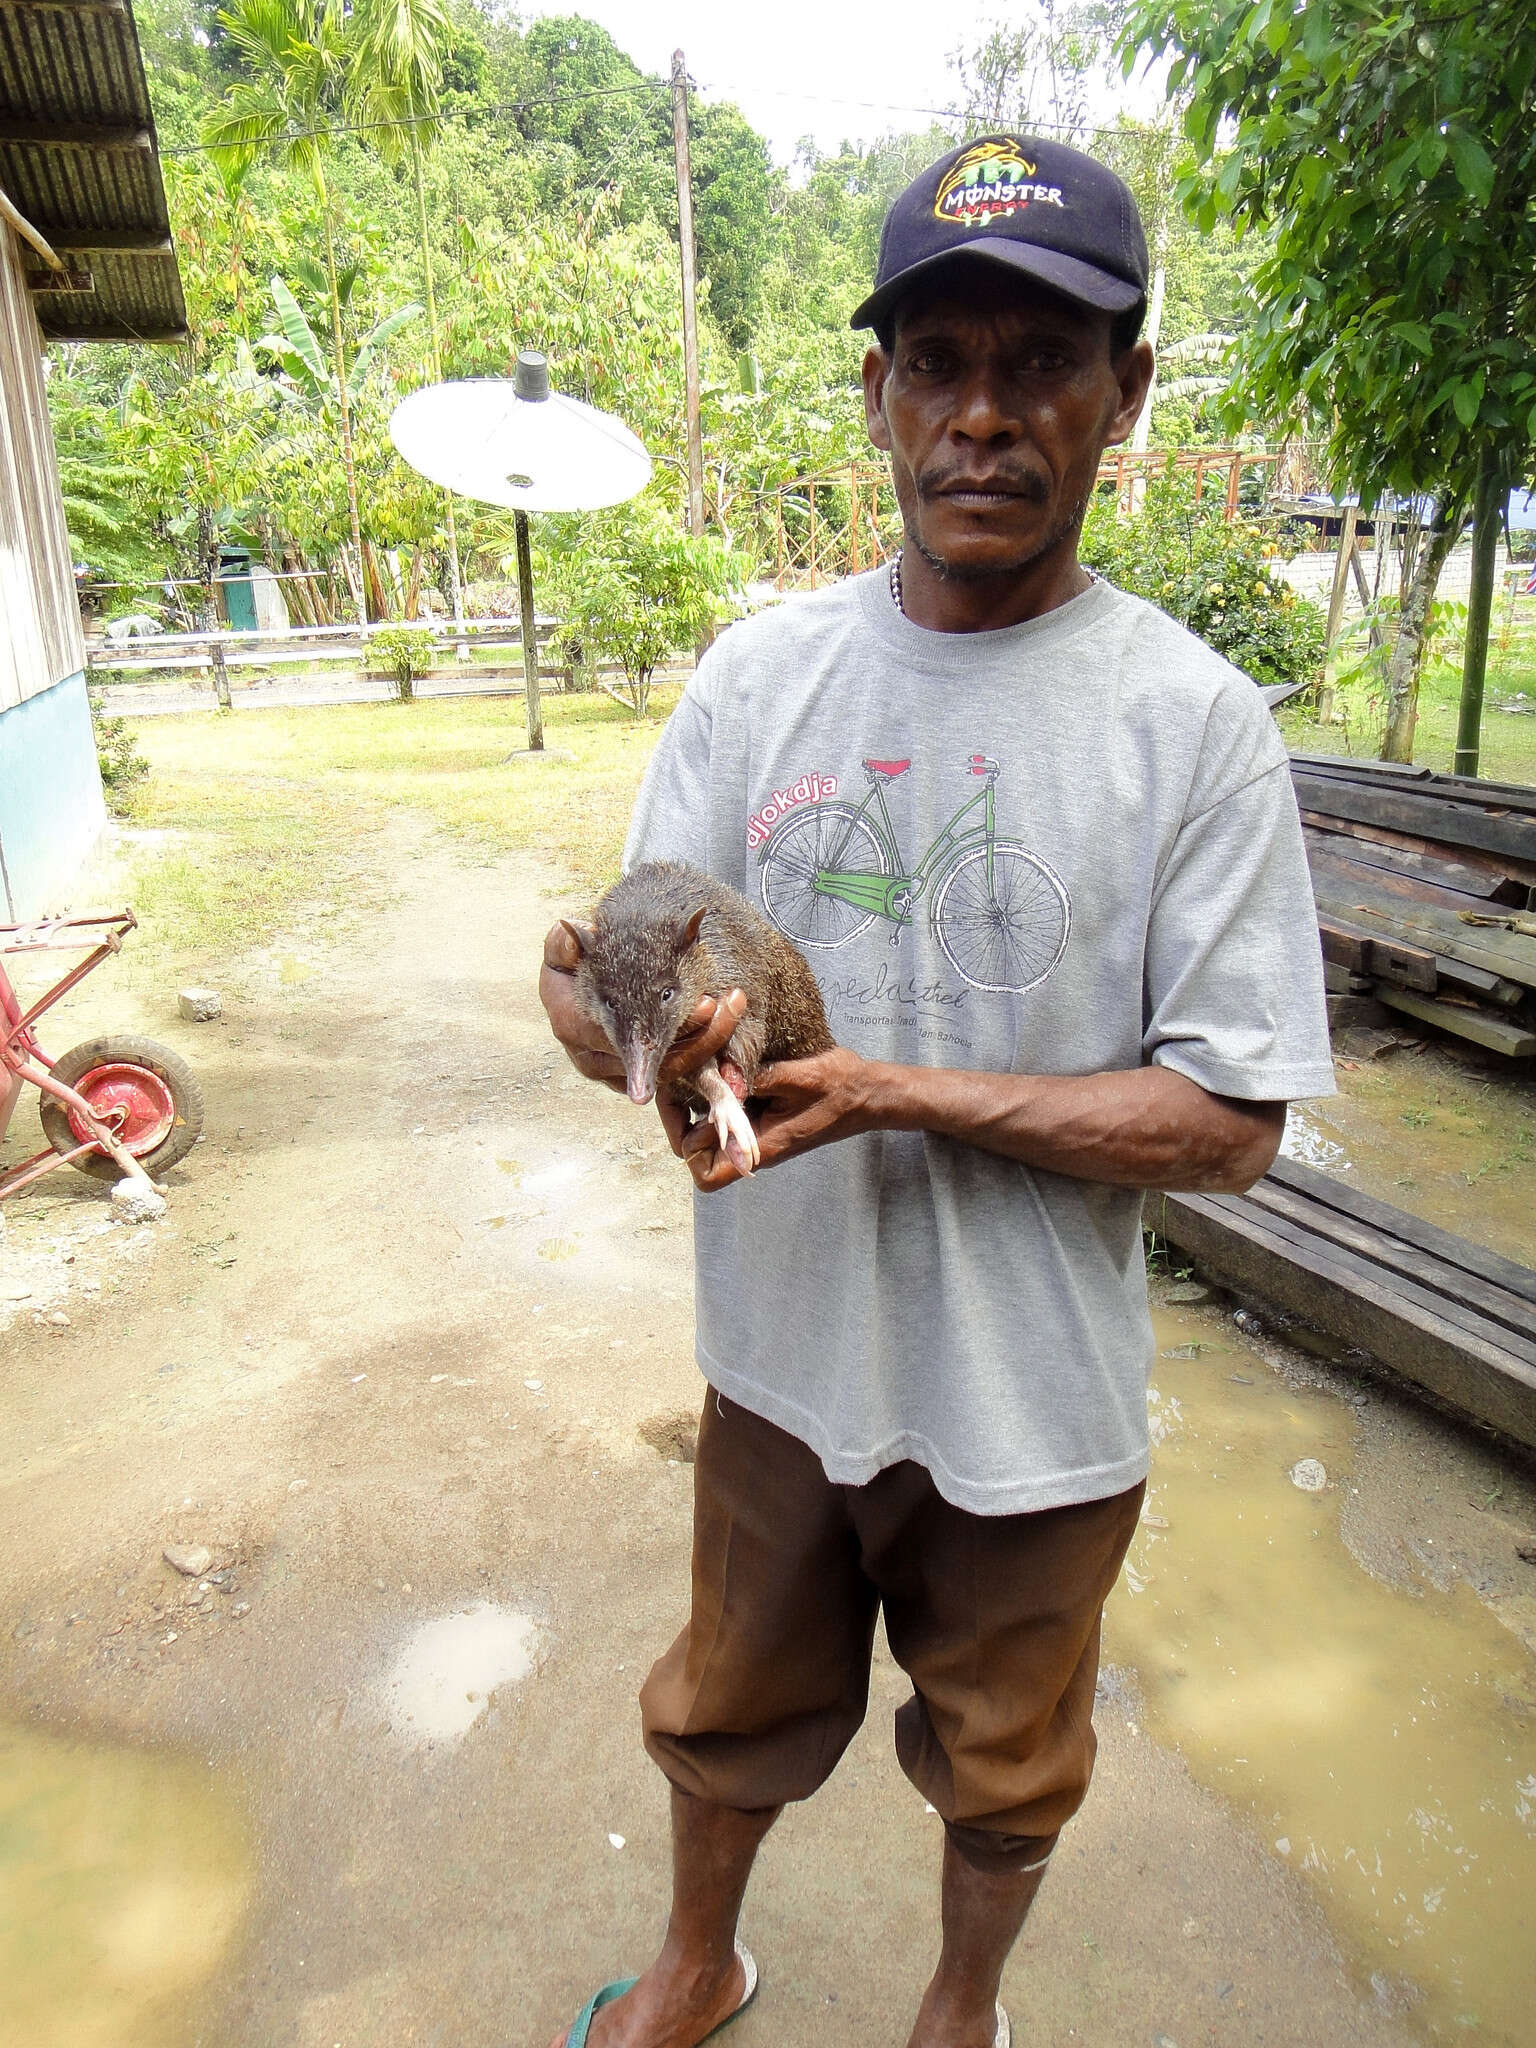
(51, 805)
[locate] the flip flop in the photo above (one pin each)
(1003, 2038)
(577, 2037)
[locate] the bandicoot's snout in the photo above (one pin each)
(641, 1059)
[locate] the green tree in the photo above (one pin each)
(596, 121)
(286, 109)
(396, 84)
(733, 193)
(99, 486)
(1390, 150)
(633, 588)
(196, 444)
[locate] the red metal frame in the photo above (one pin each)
(22, 1059)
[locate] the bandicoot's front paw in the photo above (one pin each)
(738, 1140)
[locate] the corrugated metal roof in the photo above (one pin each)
(78, 158)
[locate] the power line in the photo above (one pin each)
(554, 99)
(650, 85)
(904, 107)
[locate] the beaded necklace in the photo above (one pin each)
(895, 580)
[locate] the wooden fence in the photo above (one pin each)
(819, 529)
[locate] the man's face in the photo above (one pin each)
(995, 405)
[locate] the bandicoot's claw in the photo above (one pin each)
(732, 1126)
(737, 1157)
(734, 1129)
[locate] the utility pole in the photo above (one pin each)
(690, 303)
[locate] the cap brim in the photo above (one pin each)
(1068, 275)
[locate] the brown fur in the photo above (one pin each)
(670, 926)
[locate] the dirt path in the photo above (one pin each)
(415, 1345)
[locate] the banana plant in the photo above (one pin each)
(302, 359)
(1199, 361)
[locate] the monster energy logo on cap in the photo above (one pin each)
(990, 182)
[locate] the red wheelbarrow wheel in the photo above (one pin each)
(145, 1089)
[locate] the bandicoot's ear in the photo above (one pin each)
(688, 931)
(583, 935)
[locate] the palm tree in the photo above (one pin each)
(296, 50)
(395, 81)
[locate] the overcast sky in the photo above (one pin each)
(793, 66)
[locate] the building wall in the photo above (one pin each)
(51, 806)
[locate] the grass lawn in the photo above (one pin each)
(1508, 737)
(264, 810)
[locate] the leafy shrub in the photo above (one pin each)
(405, 653)
(632, 588)
(117, 756)
(1215, 576)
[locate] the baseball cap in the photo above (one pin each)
(1035, 207)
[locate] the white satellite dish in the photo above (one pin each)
(515, 442)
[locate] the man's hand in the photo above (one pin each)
(586, 1043)
(1146, 1127)
(801, 1104)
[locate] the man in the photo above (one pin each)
(1040, 846)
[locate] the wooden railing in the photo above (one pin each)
(819, 529)
(1212, 468)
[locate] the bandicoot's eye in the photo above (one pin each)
(667, 994)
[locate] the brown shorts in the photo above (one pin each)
(995, 1619)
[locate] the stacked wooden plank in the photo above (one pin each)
(1446, 1315)
(1426, 893)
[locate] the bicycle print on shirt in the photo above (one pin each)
(1000, 914)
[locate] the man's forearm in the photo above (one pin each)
(1148, 1128)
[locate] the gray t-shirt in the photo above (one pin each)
(1122, 881)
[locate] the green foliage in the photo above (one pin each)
(633, 589)
(303, 360)
(550, 225)
(734, 233)
(117, 756)
(1390, 151)
(292, 62)
(396, 76)
(1216, 577)
(107, 537)
(406, 653)
(600, 123)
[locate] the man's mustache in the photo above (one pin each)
(936, 482)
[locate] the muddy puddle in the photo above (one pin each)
(1381, 1740)
(123, 1880)
(1447, 1133)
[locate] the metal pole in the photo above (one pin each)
(530, 635)
(1474, 668)
(690, 307)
